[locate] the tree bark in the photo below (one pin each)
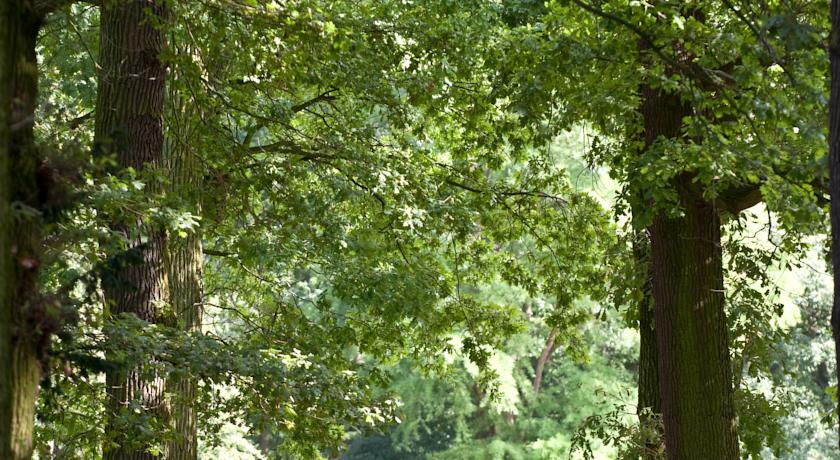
(264, 443)
(834, 177)
(543, 359)
(129, 124)
(185, 261)
(648, 397)
(649, 403)
(8, 25)
(694, 365)
(25, 319)
(694, 370)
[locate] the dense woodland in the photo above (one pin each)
(419, 229)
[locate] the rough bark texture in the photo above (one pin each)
(648, 385)
(695, 379)
(7, 30)
(186, 298)
(834, 176)
(25, 318)
(694, 366)
(185, 260)
(649, 406)
(129, 124)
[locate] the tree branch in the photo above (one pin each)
(532, 193)
(323, 97)
(735, 200)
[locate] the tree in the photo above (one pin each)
(834, 176)
(287, 155)
(129, 125)
(707, 156)
(649, 405)
(8, 32)
(695, 382)
(184, 253)
(28, 315)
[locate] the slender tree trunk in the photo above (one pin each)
(129, 114)
(543, 359)
(186, 298)
(695, 380)
(264, 443)
(834, 176)
(185, 260)
(24, 316)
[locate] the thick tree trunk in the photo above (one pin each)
(24, 316)
(129, 124)
(8, 25)
(694, 366)
(695, 381)
(834, 176)
(649, 405)
(648, 385)
(185, 261)
(648, 397)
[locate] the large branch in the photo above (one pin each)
(735, 200)
(323, 97)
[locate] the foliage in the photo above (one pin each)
(341, 220)
(400, 201)
(447, 417)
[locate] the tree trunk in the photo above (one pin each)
(649, 405)
(694, 367)
(834, 176)
(185, 260)
(264, 443)
(186, 298)
(695, 381)
(24, 316)
(129, 125)
(8, 26)
(543, 359)
(648, 397)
